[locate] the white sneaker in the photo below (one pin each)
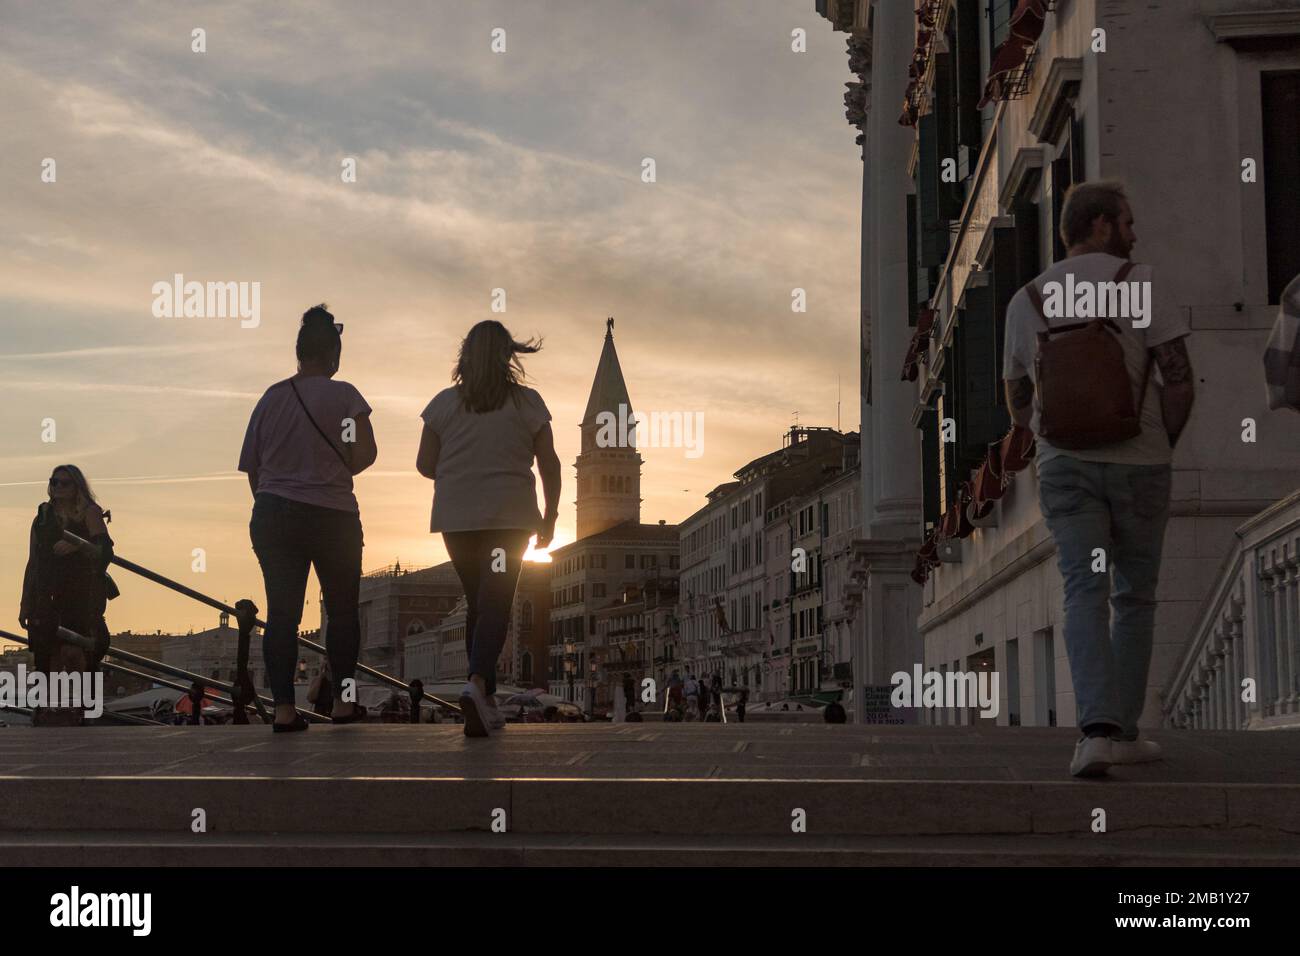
(1135, 751)
(1092, 757)
(474, 708)
(495, 720)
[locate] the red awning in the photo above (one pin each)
(917, 348)
(1026, 27)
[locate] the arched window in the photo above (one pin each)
(526, 613)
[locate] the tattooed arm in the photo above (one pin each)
(1020, 399)
(1176, 399)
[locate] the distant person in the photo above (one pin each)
(629, 692)
(416, 691)
(1282, 352)
(307, 438)
(320, 692)
(1104, 463)
(66, 585)
(675, 687)
(741, 704)
(481, 437)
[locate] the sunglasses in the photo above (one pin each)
(61, 482)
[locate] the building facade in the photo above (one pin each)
(1005, 104)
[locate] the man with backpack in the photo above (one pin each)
(1079, 374)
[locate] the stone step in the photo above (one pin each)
(149, 848)
(685, 808)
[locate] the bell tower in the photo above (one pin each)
(609, 466)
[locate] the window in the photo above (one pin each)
(598, 590)
(980, 418)
(1067, 169)
(629, 562)
(1281, 115)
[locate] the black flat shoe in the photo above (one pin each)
(358, 714)
(298, 724)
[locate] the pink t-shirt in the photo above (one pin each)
(291, 458)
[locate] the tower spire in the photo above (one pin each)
(609, 467)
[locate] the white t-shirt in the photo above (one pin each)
(484, 476)
(1023, 325)
(291, 459)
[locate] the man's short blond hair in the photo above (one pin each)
(1084, 202)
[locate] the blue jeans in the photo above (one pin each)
(489, 580)
(1110, 614)
(289, 538)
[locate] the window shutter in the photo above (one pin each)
(930, 467)
(1281, 115)
(934, 231)
(970, 77)
(980, 420)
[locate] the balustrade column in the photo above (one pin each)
(1289, 627)
(1281, 655)
(1265, 647)
(1232, 636)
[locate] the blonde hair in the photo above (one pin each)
(1084, 202)
(85, 496)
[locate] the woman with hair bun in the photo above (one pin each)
(308, 436)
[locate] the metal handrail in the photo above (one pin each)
(73, 637)
(125, 718)
(132, 672)
(221, 606)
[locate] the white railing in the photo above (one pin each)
(1248, 635)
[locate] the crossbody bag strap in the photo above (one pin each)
(1036, 298)
(324, 437)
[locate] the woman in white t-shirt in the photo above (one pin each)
(480, 439)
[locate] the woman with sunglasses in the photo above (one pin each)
(308, 436)
(65, 585)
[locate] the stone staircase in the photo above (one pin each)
(605, 794)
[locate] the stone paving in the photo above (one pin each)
(751, 751)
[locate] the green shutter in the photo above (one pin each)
(930, 466)
(980, 419)
(934, 229)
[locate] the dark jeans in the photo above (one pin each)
(289, 538)
(489, 581)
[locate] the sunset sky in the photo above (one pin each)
(475, 170)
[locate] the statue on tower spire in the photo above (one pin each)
(609, 326)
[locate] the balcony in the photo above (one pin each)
(1249, 628)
